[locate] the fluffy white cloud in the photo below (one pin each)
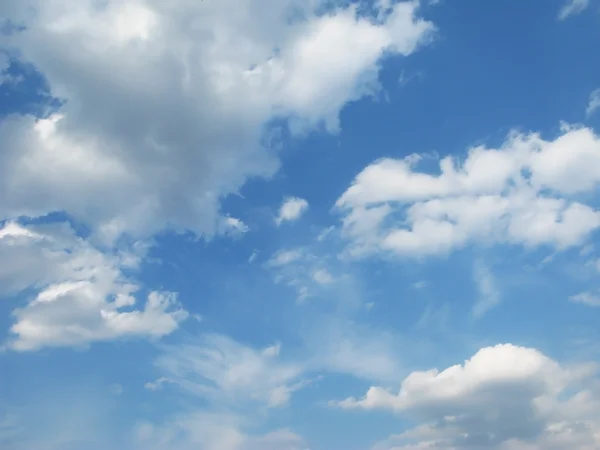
(166, 103)
(593, 103)
(504, 397)
(572, 7)
(80, 294)
(524, 192)
(291, 209)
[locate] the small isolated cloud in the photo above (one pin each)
(253, 256)
(572, 7)
(291, 209)
(586, 298)
(284, 257)
(421, 284)
(487, 291)
(593, 103)
(234, 226)
(157, 384)
(322, 276)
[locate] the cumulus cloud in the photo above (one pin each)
(504, 397)
(291, 209)
(165, 104)
(525, 192)
(81, 294)
(573, 7)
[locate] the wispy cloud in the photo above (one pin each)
(586, 298)
(593, 103)
(487, 291)
(572, 7)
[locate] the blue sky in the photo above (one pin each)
(292, 225)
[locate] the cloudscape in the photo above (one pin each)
(299, 225)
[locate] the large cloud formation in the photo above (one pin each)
(504, 397)
(165, 109)
(166, 104)
(528, 192)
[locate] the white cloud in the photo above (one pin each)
(322, 276)
(253, 256)
(213, 431)
(224, 371)
(572, 7)
(234, 226)
(157, 384)
(587, 298)
(285, 257)
(504, 397)
(165, 103)
(488, 292)
(291, 209)
(593, 103)
(81, 294)
(521, 193)
(343, 347)
(421, 284)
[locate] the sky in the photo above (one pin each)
(299, 225)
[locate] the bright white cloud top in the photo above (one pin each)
(226, 225)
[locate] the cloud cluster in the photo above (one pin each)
(528, 192)
(504, 397)
(78, 294)
(165, 105)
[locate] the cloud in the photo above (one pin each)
(523, 193)
(285, 257)
(291, 209)
(224, 371)
(213, 431)
(234, 226)
(162, 117)
(80, 294)
(489, 295)
(587, 298)
(572, 7)
(158, 384)
(504, 397)
(322, 276)
(594, 102)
